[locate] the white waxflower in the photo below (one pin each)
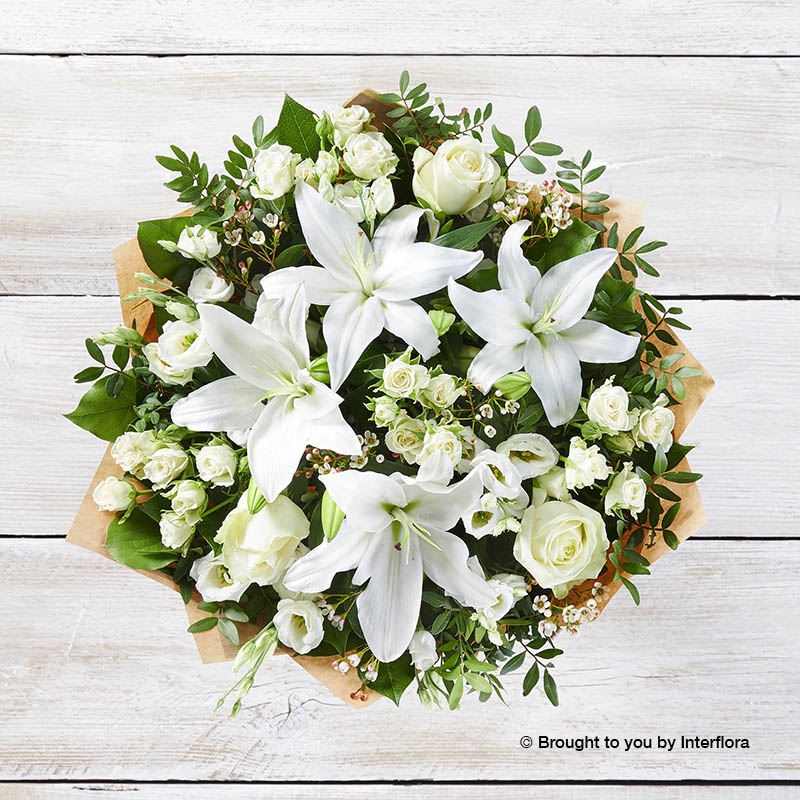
(347, 121)
(406, 437)
(608, 407)
(207, 286)
(422, 648)
(441, 392)
(214, 581)
(299, 624)
(188, 499)
(627, 492)
(165, 465)
(133, 450)
(656, 424)
(274, 172)
(196, 243)
(585, 464)
(166, 373)
(216, 464)
(401, 379)
(182, 345)
(531, 453)
(113, 494)
(369, 156)
(176, 531)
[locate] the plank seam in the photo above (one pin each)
(333, 54)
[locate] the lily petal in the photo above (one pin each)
(514, 272)
(493, 362)
(409, 321)
(496, 316)
(322, 286)
(440, 507)
(314, 572)
(350, 324)
(600, 344)
(555, 376)
(226, 404)
(388, 609)
(396, 231)
(566, 291)
(283, 319)
(331, 432)
(365, 497)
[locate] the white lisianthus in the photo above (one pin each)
(196, 243)
(441, 392)
(347, 121)
(188, 500)
(490, 615)
(517, 584)
(422, 648)
(133, 450)
(165, 465)
(656, 424)
(608, 407)
(406, 437)
(627, 492)
(299, 624)
(259, 548)
(113, 494)
(369, 156)
(280, 587)
(207, 286)
(401, 379)
(214, 581)
(274, 172)
(176, 531)
(561, 544)
(484, 519)
(385, 411)
(531, 453)
(382, 193)
(183, 346)
(585, 464)
(554, 483)
(441, 440)
(172, 376)
(326, 165)
(498, 474)
(216, 464)
(455, 179)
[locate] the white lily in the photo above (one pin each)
(369, 285)
(536, 322)
(270, 361)
(395, 532)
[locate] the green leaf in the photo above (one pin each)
(404, 79)
(660, 463)
(688, 372)
(88, 374)
(211, 607)
(546, 149)
(671, 359)
(613, 236)
(593, 174)
(456, 693)
(394, 678)
(229, 630)
(682, 477)
(235, 613)
(533, 165)
(478, 682)
(120, 355)
(137, 542)
(550, 688)
(533, 124)
(161, 262)
(172, 164)
(93, 349)
(671, 540)
(440, 623)
(530, 680)
(205, 624)
(629, 585)
(632, 238)
(106, 417)
(469, 236)
(678, 389)
(297, 128)
(291, 256)
(576, 239)
(663, 492)
(503, 140)
(115, 383)
(515, 662)
(669, 516)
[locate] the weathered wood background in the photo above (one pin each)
(693, 105)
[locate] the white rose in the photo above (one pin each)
(504, 602)
(188, 500)
(561, 544)
(208, 287)
(382, 193)
(113, 494)
(656, 424)
(585, 464)
(531, 453)
(406, 437)
(498, 474)
(182, 345)
(608, 407)
(274, 172)
(326, 165)
(441, 392)
(369, 156)
(299, 624)
(199, 244)
(347, 121)
(455, 179)
(258, 548)
(422, 648)
(385, 411)
(343, 195)
(401, 379)
(176, 531)
(214, 581)
(306, 171)
(165, 465)
(627, 492)
(216, 464)
(554, 483)
(517, 584)
(133, 450)
(172, 376)
(441, 440)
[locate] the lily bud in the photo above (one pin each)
(514, 385)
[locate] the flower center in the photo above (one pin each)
(360, 263)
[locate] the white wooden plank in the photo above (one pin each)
(100, 682)
(742, 430)
(551, 26)
(706, 143)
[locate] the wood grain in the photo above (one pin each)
(549, 26)
(705, 143)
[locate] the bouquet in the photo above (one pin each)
(382, 407)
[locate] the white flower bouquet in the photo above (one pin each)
(379, 406)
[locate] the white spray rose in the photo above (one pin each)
(554, 483)
(299, 624)
(165, 466)
(385, 411)
(274, 172)
(498, 474)
(196, 243)
(440, 440)
(347, 121)
(113, 494)
(326, 165)
(656, 424)
(531, 453)
(258, 548)
(176, 531)
(627, 492)
(183, 346)
(401, 379)
(133, 450)
(172, 376)
(561, 544)
(208, 287)
(214, 581)
(422, 648)
(382, 195)
(608, 407)
(216, 464)
(344, 196)
(441, 392)
(585, 464)
(406, 437)
(369, 155)
(455, 179)
(306, 171)
(188, 500)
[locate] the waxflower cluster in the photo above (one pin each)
(394, 408)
